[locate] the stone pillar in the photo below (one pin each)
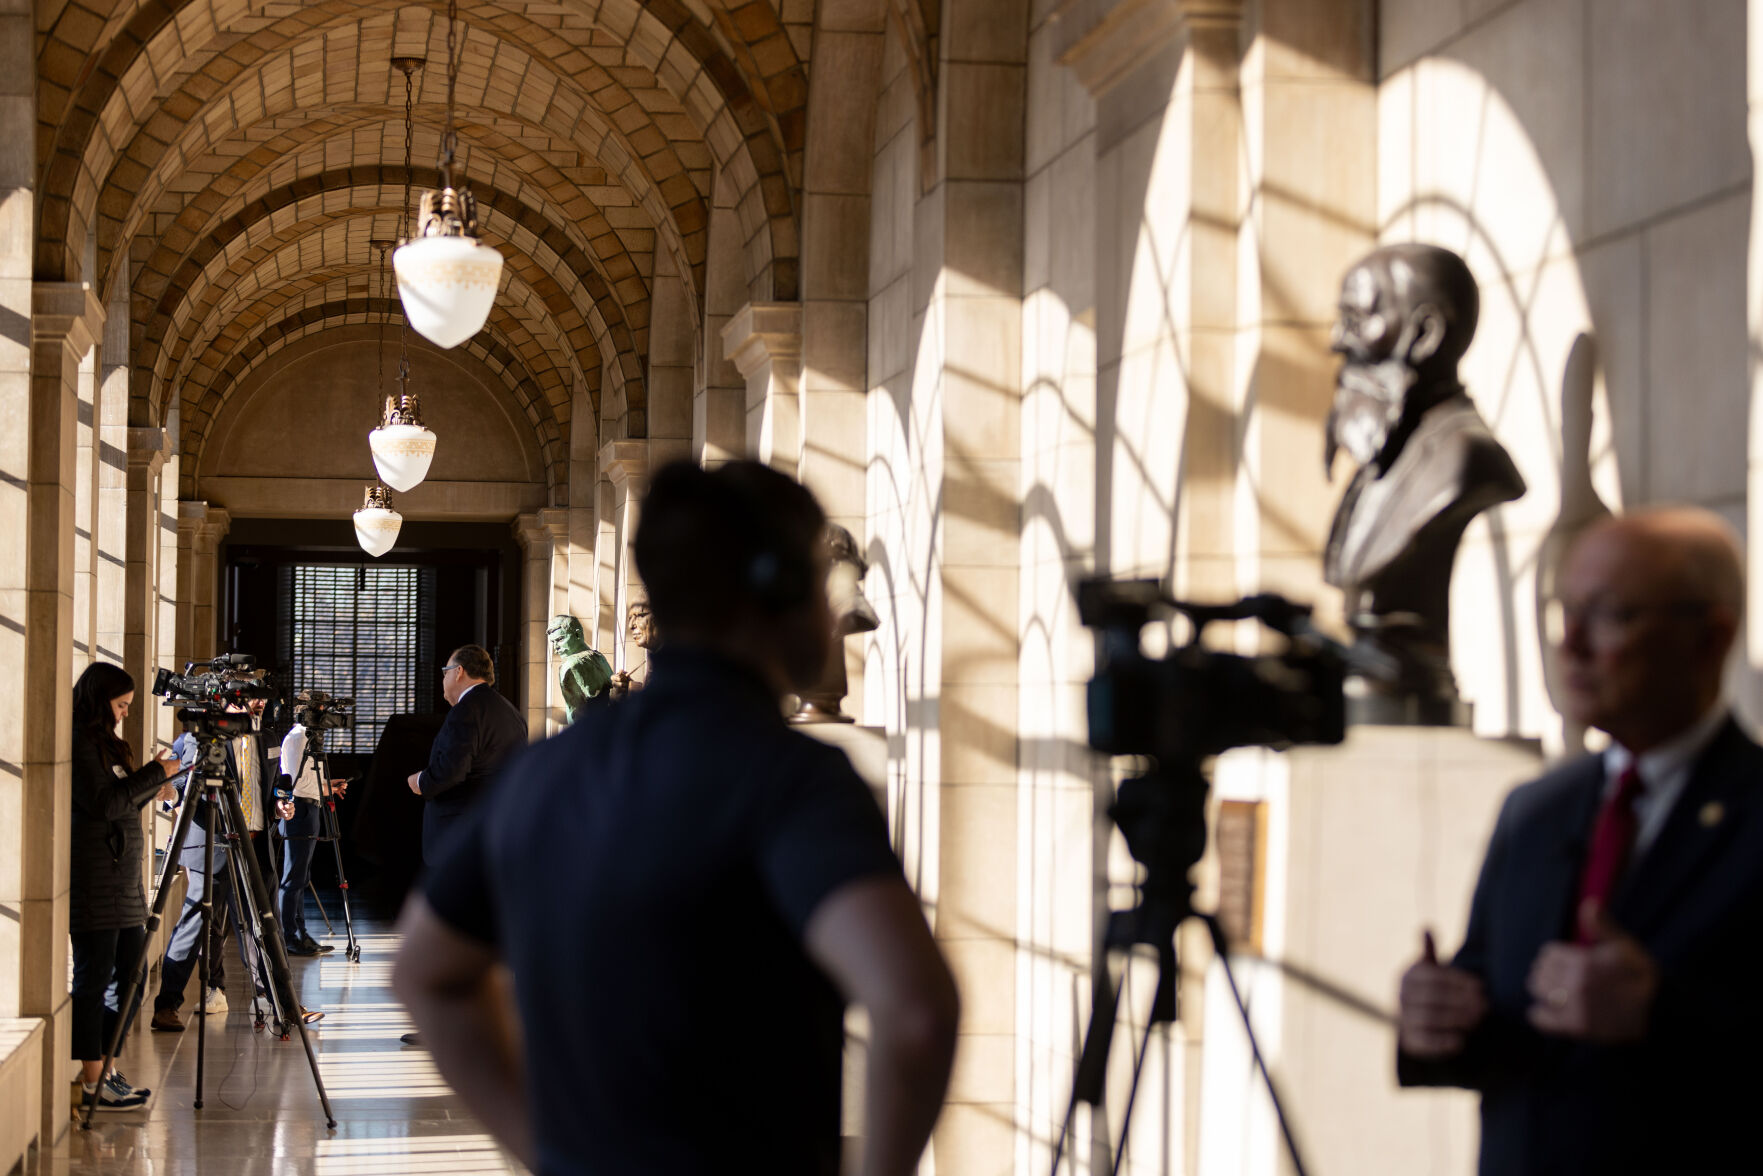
(201, 529)
(111, 539)
(764, 339)
(169, 529)
(85, 510)
(535, 609)
(719, 401)
(65, 324)
(146, 454)
(584, 492)
(624, 465)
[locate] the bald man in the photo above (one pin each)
(1607, 989)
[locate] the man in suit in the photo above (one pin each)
(481, 732)
(1606, 983)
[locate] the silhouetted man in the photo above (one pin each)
(685, 890)
(1606, 991)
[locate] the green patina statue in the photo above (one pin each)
(584, 673)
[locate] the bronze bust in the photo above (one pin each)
(583, 674)
(639, 627)
(852, 613)
(1428, 464)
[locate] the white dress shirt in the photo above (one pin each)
(1663, 771)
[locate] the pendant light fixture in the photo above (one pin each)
(402, 445)
(376, 522)
(447, 278)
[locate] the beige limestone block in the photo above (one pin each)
(985, 975)
(1409, 28)
(1667, 124)
(983, 229)
(976, 894)
(1697, 419)
(976, 1139)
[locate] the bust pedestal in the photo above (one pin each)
(1362, 846)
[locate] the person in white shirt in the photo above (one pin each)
(299, 830)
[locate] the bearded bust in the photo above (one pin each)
(1428, 464)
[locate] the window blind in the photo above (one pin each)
(355, 633)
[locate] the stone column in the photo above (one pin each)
(624, 465)
(535, 608)
(584, 491)
(764, 340)
(65, 324)
(85, 510)
(201, 529)
(110, 577)
(719, 401)
(146, 456)
(166, 635)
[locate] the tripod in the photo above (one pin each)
(330, 829)
(218, 775)
(1162, 815)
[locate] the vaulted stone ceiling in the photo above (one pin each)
(225, 164)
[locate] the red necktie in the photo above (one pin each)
(1612, 839)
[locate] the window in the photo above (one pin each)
(355, 634)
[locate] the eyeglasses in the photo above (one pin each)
(449, 666)
(1604, 620)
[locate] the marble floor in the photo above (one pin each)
(261, 1114)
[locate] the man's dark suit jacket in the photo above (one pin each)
(1678, 1101)
(480, 734)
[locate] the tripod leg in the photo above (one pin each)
(138, 980)
(203, 934)
(1221, 947)
(319, 903)
(334, 833)
(1089, 1084)
(270, 942)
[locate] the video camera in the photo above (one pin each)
(215, 691)
(1195, 701)
(316, 710)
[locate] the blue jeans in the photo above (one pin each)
(299, 834)
(180, 952)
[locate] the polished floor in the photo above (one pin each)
(261, 1113)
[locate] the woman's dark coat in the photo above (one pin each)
(105, 886)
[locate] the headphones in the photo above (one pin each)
(778, 580)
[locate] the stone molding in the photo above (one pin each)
(555, 519)
(761, 333)
(624, 462)
(69, 311)
(148, 450)
(1104, 41)
(532, 535)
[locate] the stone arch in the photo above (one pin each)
(677, 55)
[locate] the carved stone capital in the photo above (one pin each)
(66, 311)
(148, 449)
(1104, 41)
(532, 535)
(555, 521)
(624, 462)
(761, 333)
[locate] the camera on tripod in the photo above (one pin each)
(1195, 701)
(215, 691)
(318, 711)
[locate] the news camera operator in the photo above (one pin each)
(254, 766)
(107, 911)
(300, 821)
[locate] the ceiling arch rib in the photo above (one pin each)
(586, 202)
(203, 275)
(316, 318)
(737, 127)
(547, 394)
(268, 93)
(594, 248)
(311, 318)
(518, 326)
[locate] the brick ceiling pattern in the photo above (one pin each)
(229, 162)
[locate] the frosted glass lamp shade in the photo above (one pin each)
(401, 454)
(376, 523)
(447, 285)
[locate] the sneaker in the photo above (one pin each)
(310, 1015)
(123, 1088)
(108, 1100)
(216, 1002)
(166, 1021)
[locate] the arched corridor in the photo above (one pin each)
(1024, 290)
